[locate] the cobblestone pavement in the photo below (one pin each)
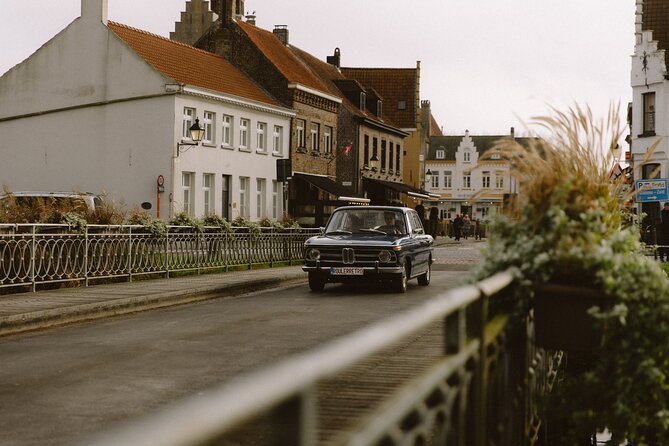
(464, 254)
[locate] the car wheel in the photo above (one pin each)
(316, 282)
(402, 280)
(424, 279)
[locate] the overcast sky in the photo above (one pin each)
(486, 65)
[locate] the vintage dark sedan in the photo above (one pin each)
(361, 244)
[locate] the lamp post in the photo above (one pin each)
(196, 133)
(428, 177)
(374, 163)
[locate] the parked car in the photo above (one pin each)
(85, 200)
(360, 244)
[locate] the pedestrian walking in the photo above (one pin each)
(663, 234)
(457, 227)
(466, 226)
(433, 221)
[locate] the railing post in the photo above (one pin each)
(249, 248)
(455, 336)
(226, 237)
(86, 248)
(32, 259)
(167, 253)
(481, 380)
(294, 421)
(198, 246)
(130, 255)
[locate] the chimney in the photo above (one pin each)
(95, 10)
(513, 132)
(336, 59)
(251, 18)
(638, 21)
(281, 31)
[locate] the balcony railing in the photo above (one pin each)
(480, 390)
(38, 254)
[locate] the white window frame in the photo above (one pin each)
(300, 124)
(187, 191)
(275, 199)
(314, 135)
(327, 139)
(485, 180)
(208, 193)
(261, 137)
(244, 184)
(188, 119)
(448, 179)
(499, 180)
(466, 156)
(277, 147)
(261, 200)
(209, 124)
(244, 124)
(435, 179)
(441, 154)
(467, 180)
(227, 130)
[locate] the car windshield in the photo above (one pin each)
(374, 221)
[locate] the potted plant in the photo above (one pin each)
(566, 235)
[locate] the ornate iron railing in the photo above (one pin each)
(480, 390)
(37, 254)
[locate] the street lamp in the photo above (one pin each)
(374, 163)
(428, 177)
(196, 134)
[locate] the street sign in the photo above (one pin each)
(651, 190)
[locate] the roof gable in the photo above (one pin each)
(191, 66)
(656, 18)
(281, 57)
(395, 85)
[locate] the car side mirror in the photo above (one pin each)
(418, 231)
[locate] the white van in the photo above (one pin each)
(29, 197)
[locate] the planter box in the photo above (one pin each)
(561, 319)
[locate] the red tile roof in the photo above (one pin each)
(191, 66)
(656, 18)
(435, 130)
(281, 57)
(395, 85)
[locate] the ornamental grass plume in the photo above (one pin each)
(569, 224)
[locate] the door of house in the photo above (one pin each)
(225, 197)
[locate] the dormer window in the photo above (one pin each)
(467, 157)
(363, 100)
(401, 105)
(379, 108)
(441, 154)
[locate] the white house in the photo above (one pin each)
(464, 184)
(649, 113)
(105, 108)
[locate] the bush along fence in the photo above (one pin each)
(33, 255)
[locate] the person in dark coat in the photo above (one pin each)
(433, 221)
(457, 226)
(663, 234)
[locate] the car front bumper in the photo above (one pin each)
(377, 270)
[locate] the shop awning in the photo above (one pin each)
(324, 183)
(404, 189)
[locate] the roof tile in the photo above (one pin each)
(189, 65)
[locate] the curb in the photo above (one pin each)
(42, 319)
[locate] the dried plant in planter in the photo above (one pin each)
(567, 227)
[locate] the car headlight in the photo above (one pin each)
(313, 254)
(386, 256)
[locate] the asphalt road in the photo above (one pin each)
(59, 386)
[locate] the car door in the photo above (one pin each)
(421, 244)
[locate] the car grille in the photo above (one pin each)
(349, 256)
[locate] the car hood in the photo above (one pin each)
(368, 240)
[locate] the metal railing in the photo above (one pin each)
(480, 391)
(38, 254)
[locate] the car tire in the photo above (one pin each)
(424, 279)
(402, 280)
(316, 282)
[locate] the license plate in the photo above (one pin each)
(346, 271)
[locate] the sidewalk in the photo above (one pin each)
(32, 311)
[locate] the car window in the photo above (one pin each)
(381, 221)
